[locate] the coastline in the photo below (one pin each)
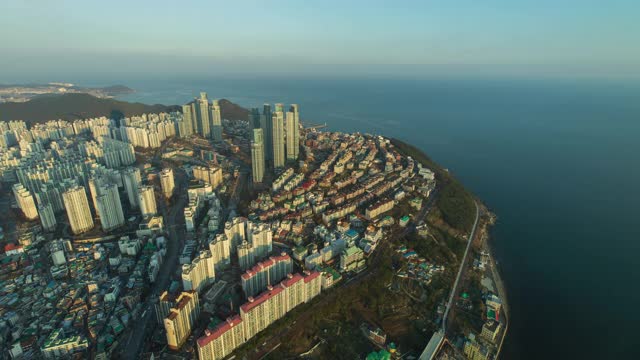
(500, 287)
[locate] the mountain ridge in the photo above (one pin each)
(81, 106)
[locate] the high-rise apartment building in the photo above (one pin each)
(199, 273)
(181, 319)
(47, 217)
(257, 314)
(216, 121)
(132, 181)
(209, 174)
(257, 156)
(25, 201)
(220, 247)
(78, 211)
(235, 230)
(278, 138)
(204, 116)
(147, 200)
(267, 272)
(165, 302)
(109, 207)
(167, 182)
(266, 124)
(188, 119)
(293, 133)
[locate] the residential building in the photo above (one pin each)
(351, 258)
(60, 345)
(78, 211)
(293, 133)
(475, 350)
(109, 207)
(220, 247)
(264, 273)
(167, 182)
(278, 139)
(147, 200)
(47, 217)
(25, 201)
(216, 121)
(199, 273)
(204, 116)
(258, 313)
(165, 302)
(257, 156)
(132, 181)
(181, 319)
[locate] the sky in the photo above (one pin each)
(186, 37)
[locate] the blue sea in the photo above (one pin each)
(558, 160)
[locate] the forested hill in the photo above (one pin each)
(74, 106)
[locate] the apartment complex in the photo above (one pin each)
(258, 313)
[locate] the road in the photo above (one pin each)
(463, 263)
(438, 337)
(175, 229)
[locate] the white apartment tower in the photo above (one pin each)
(204, 115)
(132, 180)
(47, 217)
(167, 182)
(181, 319)
(278, 138)
(216, 121)
(147, 200)
(25, 201)
(78, 211)
(293, 133)
(109, 207)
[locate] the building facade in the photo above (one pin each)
(78, 211)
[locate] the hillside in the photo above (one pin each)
(231, 111)
(74, 106)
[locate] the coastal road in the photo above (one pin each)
(463, 263)
(438, 337)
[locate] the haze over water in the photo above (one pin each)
(556, 160)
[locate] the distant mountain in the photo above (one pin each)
(81, 106)
(74, 106)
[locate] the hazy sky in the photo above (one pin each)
(48, 36)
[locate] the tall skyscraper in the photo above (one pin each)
(147, 200)
(47, 217)
(167, 182)
(278, 139)
(257, 156)
(181, 319)
(78, 211)
(254, 118)
(132, 180)
(266, 123)
(204, 118)
(25, 201)
(293, 133)
(187, 119)
(216, 121)
(109, 207)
